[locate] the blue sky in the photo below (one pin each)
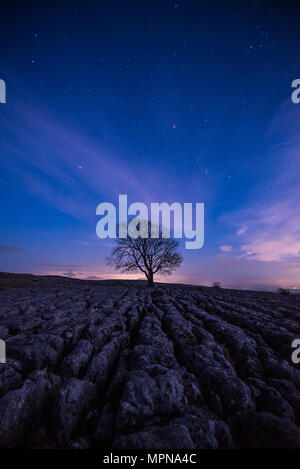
(163, 101)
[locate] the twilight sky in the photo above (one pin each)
(183, 100)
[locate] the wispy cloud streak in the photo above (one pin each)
(5, 248)
(269, 230)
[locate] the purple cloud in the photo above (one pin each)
(5, 248)
(269, 231)
(69, 274)
(67, 168)
(62, 266)
(226, 248)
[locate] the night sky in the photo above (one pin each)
(186, 101)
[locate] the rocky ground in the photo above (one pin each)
(119, 365)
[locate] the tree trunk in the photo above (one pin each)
(150, 279)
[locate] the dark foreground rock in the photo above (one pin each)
(119, 365)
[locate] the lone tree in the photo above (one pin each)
(149, 255)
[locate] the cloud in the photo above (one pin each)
(241, 231)
(62, 165)
(87, 243)
(226, 248)
(269, 229)
(69, 274)
(274, 234)
(5, 248)
(93, 277)
(272, 250)
(62, 266)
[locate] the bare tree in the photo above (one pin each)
(149, 255)
(283, 291)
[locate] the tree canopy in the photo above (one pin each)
(146, 254)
